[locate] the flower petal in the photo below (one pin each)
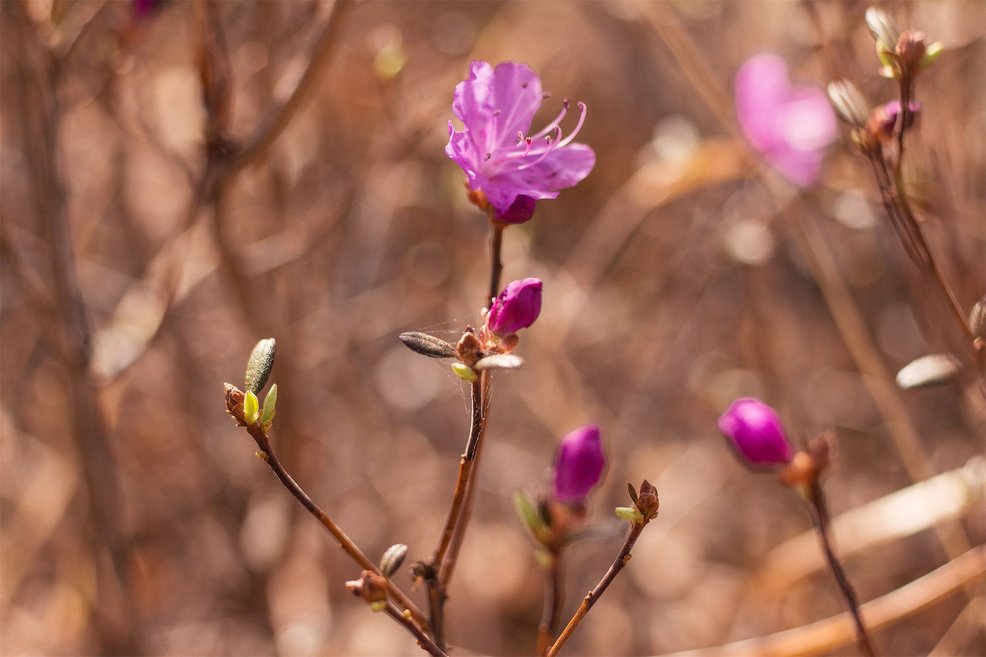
(562, 168)
(516, 94)
(761, 88)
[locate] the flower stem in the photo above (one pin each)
(890, 181)
(590, 599)
(346, 543)
(820, 514)
(496, 263)
(452, 556)
(436, 586)
(554, 599)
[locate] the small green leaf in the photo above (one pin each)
(525, 511)
(251, 407)
(931, 55)
(464, 372)
(270, 402)
(628, 513)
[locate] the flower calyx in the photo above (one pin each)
(807, 465)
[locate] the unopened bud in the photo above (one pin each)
(883, 28)
(648, 502)
(516, 307)
(469, 348)
(427, 345)
(910, 49)
(392, 559)
(977, 319)
(260, 365)
(370, 587)
(234, 402)
(848, 102)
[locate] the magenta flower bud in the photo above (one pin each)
(756, 432)
(516, 307)
(579, 464)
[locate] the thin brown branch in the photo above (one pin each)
(36, 76)
(821, 520)
(590, 599)
(423, 639)
(346, 543)
(436, 588)
(452, 556)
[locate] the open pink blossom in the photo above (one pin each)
(506, 165)
(790, 125)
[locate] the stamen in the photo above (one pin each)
(578, 126)
(486, 158)
(551, 125)
(550, 146)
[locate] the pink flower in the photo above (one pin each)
(505, 166)
(756, 432)
(791, 126)
(516, 307)
(579, 464)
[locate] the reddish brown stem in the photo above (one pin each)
(423, 639)
(820, 517)
(590, 599)
(436, 588)
(346, 543)
(554, 599)
(452, 556)
(496, 263)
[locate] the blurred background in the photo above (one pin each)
(152, 233)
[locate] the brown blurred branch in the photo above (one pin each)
(837, 631)
(37, 76)
(824, 268)
(278, 118)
